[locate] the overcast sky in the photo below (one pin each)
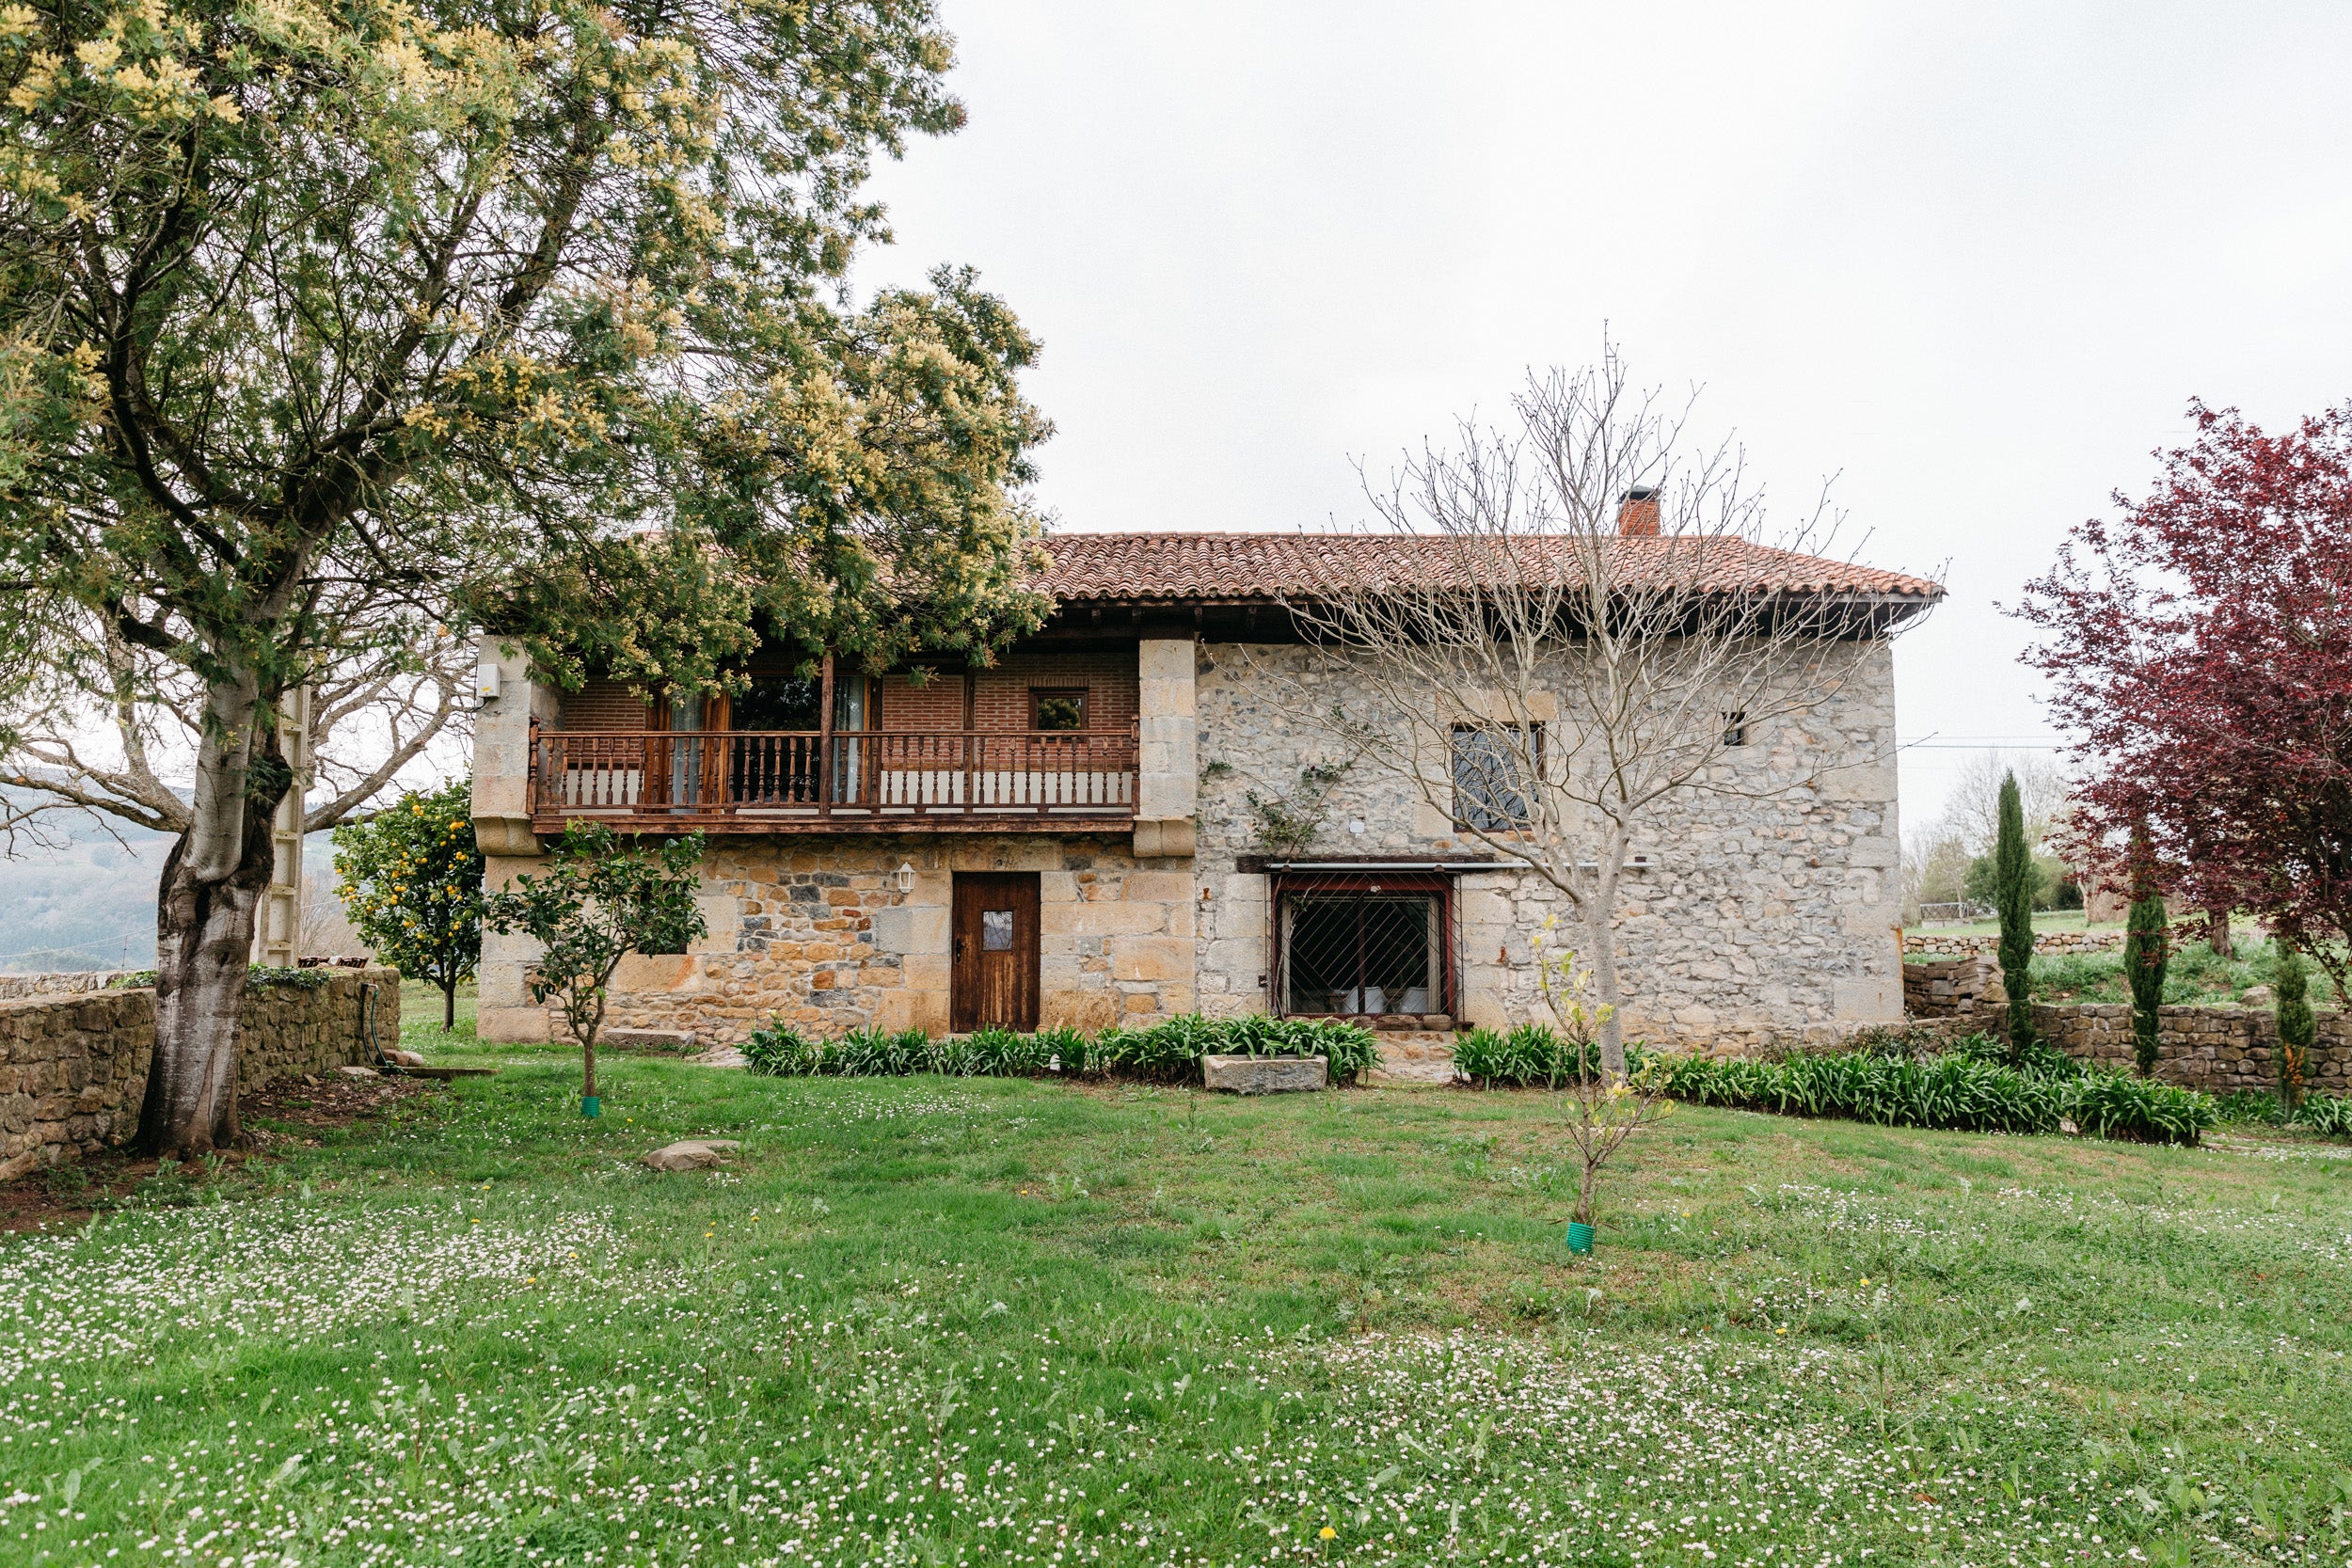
(1971, 259)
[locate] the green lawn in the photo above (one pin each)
(927, 1321)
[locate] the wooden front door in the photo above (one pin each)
(994, 983)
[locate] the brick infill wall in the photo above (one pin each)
(73, 1066)
(2215, 1048)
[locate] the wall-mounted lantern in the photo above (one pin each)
(906, 877)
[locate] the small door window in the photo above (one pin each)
(1058, 710)
(995, 930)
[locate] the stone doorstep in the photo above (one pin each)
(1413, 1060)
(1264, 1074)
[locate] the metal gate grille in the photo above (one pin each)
(1355, 945)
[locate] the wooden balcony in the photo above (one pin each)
(788, 781)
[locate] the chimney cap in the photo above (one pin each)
(1637, 513)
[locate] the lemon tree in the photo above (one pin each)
(411, 879)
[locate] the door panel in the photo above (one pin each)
(995, 982)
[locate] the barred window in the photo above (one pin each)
(1363, 944)
(1488, 792)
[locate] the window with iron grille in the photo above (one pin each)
(1489, 793)
(1355, 945)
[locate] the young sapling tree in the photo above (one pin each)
(600, 900)
(2013, 881)
(2298, 1031)
(2147, 948)
(1599, 1112)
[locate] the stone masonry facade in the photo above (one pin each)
(2219, 1050)
(73, 1066)
(1770, 913)
(815, 932)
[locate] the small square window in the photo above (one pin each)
(1735, 729)
(1489, 792)
(1058, 710)
(995, 930)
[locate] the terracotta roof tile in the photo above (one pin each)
(1265, 566)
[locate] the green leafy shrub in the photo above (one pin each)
(1168, 1051)
(1060, 1050)
(780, 1051)
(1003, 1053)
(1350, 1047)
(1960, 1090)
(2328, 1114)
(1529, 1056)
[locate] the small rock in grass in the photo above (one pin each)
(691, 1154)
(405, 1058)
(359, 1072)
(2258, 996)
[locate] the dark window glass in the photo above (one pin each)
(1058, 710)
(1735, 729)
(995, 930)
(1489, 793)
(777, 703)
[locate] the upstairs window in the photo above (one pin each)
(1058, 710)
(1736, 729)
(1489, 791)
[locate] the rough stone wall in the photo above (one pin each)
(69, 983)
(2043, 942)
(814, 931)
(1767, 919)
(73, 1069)
(2214, 1049)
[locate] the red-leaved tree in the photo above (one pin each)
(2199, 648)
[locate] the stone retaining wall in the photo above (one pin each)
(70, 982)
(2214, 1049)
(2043, 942)
(74, 1068)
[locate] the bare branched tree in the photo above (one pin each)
(1580, 617)
(112, 730)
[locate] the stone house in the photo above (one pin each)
(1068, 836)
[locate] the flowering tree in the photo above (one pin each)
(411, 882)
(332, 332)
(2200, 647)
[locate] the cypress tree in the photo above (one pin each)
(2146, 949)
(2013, 881)
(2297, 1030)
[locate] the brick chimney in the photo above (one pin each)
(1637, 512)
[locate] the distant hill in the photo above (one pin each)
(91, 903)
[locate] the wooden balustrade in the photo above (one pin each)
(756, 781)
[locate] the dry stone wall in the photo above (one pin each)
(70, 982)
(1767, 919)
(2043, 942)
(74, 1068)
(2218, 1050)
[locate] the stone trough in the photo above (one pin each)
(1264, 1074)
